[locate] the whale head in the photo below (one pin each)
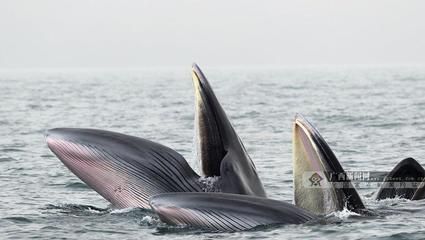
(320, 183)
(220, 151)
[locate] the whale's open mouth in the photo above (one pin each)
(220, 150)
(128, 170)
(315, 170)
(213, 130)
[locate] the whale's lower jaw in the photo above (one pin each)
(125, 170)
(98, 170)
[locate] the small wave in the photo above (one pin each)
(146, 217)
(164, 229)
(77, 209)
(123, 210)
(6, 159)
(388, 202)
(12, 150)
(150, 221)
(18, 219)
(77, 185)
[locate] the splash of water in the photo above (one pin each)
(344, 214)
(210, 184)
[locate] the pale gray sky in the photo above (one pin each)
(105, 34)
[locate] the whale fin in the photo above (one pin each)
(408, 170)
(315, 167)
(125, 170)
(224, 211)
(219, 147)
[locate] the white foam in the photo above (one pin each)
(149, 220)
(123, 210)
(210, 184)
(344, 214)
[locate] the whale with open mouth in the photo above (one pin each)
(313, 156)
(128, 170)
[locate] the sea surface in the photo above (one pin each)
(371, 116)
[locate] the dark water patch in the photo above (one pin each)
(77, 209)
(164, 229)
(401, 236)
(12, 150)
(77, 185)
(34, 106)
(18, 219)
(411, 79)
(385, 125)
(50, 228)
(96, 230)
(6, 159)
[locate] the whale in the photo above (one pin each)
(395, 184)
(128, 170)
(315, 168)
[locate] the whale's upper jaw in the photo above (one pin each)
(312, 155)
(211, 124)
(220, 150)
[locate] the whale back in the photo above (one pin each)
(407, 171)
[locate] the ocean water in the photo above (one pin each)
(372, 117)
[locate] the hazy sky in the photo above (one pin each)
(105, 34)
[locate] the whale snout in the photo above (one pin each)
(68, 150)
